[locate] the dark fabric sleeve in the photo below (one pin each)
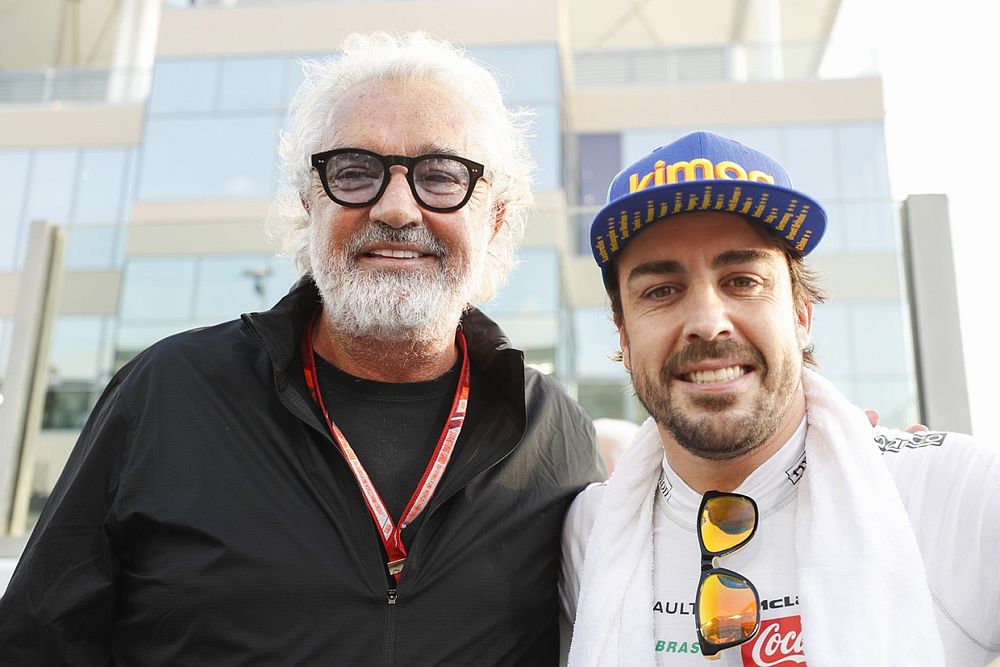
(59, 606)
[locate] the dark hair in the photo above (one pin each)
(805, 287)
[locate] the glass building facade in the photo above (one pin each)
(210, 126)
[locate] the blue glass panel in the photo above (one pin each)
(527, 74)
(231, 285)
(880, 344)
(158, 288)
(599, 156)
(596, 342)
(533, 286)
(281, 280)
(50, 192)
(811, 160)
(831, 336)
(77, 348)
(184, 85)
(862, 161)
(13, 187)
(100, 180)
(871, 227)
(208, 158)
(252, 84)
(546, 147)
(91, 247)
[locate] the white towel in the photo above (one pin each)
(853, 539)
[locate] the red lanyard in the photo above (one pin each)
(391, 533)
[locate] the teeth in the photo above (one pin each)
(717, 375)
(396, 254)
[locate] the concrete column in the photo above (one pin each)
(27, 378)
(933, 302)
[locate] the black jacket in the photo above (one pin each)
(206, 517)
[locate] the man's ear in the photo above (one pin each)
(305, 202)
(803, 323)
(499, 217)
(623, 342)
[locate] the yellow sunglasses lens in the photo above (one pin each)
(727, 609)
(726, 522)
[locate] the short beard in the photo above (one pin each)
(418, 307)
(714, 435)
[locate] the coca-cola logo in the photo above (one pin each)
(777, 644)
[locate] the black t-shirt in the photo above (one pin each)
(392, 427)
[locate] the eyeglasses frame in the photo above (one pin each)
(476, 172)
(708, 568)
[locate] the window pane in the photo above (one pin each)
(99, 187)
(13, 186)
(183, 85)
(91, 248)
(158, 288)
(252, 84)
(50, 191)
(811, 152)
(546, 147)
(229, 286)
(600, 162)
(77, 348)
(871, 227)
(225, 157)
(527, 74)
(596, 342)
(877, 330)
(831, 336)
(862, 161)
(533, 285)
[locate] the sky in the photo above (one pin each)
(941, 85)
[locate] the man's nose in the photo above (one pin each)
(706, 315)
(397, 207)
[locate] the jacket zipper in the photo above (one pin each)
(388, 655)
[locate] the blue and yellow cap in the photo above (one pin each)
(703, 171)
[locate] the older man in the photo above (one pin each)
(366, 473)
(759, 517)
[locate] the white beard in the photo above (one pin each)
(416, 306)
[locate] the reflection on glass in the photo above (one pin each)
(13, 186)
(229, 286)
(596, 342)
(183, 85)
(99, 184)
(221, 157)
(91, 248)
(252, 84)
(158, 288)
(863, 168)
(50, 191)
(533, 285)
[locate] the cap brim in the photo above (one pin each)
(794, 217)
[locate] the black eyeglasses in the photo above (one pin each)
(727, 606)
(355, 177)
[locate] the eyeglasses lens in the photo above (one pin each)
(354, 177)
(726, 523)
(727, 609)
(441, 182)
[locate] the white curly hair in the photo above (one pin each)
(412, 57)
